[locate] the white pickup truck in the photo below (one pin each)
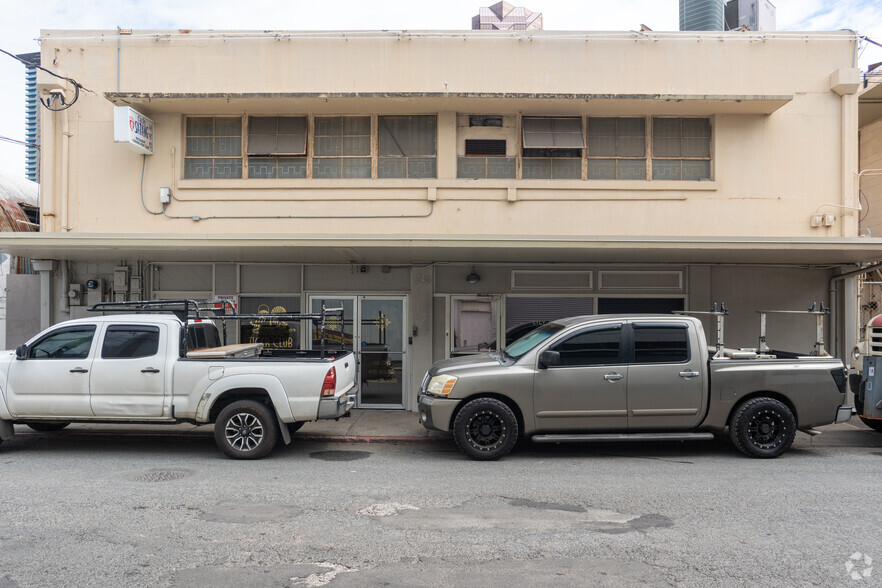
(139, 368)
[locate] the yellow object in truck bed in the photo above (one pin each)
(227, 351)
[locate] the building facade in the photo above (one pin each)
(446, 188)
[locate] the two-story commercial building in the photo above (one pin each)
(448, 187)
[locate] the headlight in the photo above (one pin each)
(441, 385)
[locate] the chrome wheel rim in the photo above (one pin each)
(244, 431)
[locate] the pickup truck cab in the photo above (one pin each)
(604, 378)
(140, 369)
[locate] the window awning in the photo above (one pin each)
(541, 132)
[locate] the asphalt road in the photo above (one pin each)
(85, 509)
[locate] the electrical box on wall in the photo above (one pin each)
(75, 294)
(120, 283)
(94, 291)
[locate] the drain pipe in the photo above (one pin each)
(63, 298)
(833, 291)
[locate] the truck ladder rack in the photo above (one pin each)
(721, 318)
(819, 313)
(187, 310)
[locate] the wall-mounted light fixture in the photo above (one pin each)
(473, 278)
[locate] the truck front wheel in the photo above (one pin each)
(762, 427)
(485, 429)
(246, 429)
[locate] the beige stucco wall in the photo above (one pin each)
(871, 183)
(774, 165)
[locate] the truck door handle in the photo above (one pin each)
(150, 371)
(689, 374)
(613, 377)
(79, 371)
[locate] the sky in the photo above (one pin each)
(20, 27)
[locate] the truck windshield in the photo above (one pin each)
(517, 349)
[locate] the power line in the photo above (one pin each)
(50, 102)
(18, 142)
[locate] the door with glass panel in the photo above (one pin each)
(373, 327)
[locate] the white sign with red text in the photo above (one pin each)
(133, 129)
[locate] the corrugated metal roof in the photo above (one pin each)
(14, 191)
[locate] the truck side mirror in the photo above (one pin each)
(21, 352)
(549, 358)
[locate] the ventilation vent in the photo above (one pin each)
(485, 121)
(547, 280)
(485, 147)
(640, 280)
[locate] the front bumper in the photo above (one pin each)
(336, 407)
(436, 413)
(843, 413)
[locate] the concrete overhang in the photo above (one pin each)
(503, 102)
(420, 249)
(870, 103)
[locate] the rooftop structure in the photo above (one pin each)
(502, 16)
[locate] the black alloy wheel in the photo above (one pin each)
(485, 429)
(762, 427)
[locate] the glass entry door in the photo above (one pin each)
(373, 327)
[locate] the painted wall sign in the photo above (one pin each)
(133, 129)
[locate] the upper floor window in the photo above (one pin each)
(213, 148)
(407, 147)
(342, 147)
(552, 148)
(276, 147)
(681, 149)
(616, 148)
(485, 146)
(307, 147)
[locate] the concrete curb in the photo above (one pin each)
(369, 439)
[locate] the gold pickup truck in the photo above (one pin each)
(637, 378)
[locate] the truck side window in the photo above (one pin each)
(202, 336)
(597, 347)
(73, 343)
(662, 344)
(130, 341)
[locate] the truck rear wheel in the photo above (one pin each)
(875, 424)
(762, 427)
(246, 429)
(485, 429)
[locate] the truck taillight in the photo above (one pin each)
(330, 384)
(840, 376)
